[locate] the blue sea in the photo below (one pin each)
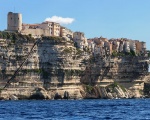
(99, 109)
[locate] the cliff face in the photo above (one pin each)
(56, 69)
(128, 72)
(53, 64)
(118, 68)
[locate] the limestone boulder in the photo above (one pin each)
(4, 95)
(13, 97)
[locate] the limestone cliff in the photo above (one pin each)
(53, 68)
(53, 64)
(128, 71)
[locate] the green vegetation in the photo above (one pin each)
(15, 36)
(132, 53)
(148, 53)
(53, 39)
(115, 84)
(89, 88)
(3, 71)
(86, 49)
(79, 52)
(146, 88)
(68, 50)
(45, 74)
(75, 44)
(92, 59)
(73, 72)
(123, 88)
(30, 35)
(141, 92)
(1, 90)
(84, 61)
(19, 57)
(116, 54)
(32, 70)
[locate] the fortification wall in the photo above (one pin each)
(36, 33)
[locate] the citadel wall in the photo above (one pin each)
(36, 33)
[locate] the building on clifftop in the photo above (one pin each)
(14, 22)
(80, 39)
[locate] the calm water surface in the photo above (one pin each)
(126, 109)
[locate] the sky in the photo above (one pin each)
(106, 18)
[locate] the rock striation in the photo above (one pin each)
(54, 68)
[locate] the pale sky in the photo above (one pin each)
(107, 18)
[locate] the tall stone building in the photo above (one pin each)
(80, 39)
(14, 21)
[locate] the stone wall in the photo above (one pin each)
(36, 33)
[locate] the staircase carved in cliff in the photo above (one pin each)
(21, 65)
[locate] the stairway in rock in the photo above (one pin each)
(21, 65)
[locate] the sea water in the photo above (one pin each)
(99, 109)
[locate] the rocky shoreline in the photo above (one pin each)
(113, 91)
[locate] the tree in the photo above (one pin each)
(114, 53)
(148, 53)
(1, 36)
(30, 35)
(132, 53)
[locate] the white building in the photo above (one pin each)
(127, 46)
(80, 39)
(116, 44)
(91, 45)
(65, 32)
(121, 46)
(132, 45)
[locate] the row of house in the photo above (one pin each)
(54, 29)
(14, 23)
(46, 29)
(100, 45)
(104, 46)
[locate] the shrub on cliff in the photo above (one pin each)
(148, 53)
(114, 54)
(14, 36)
(78, 51)
(68, 50)
(89, 88)
(132, 53)
(115, 84)
(52, 38)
